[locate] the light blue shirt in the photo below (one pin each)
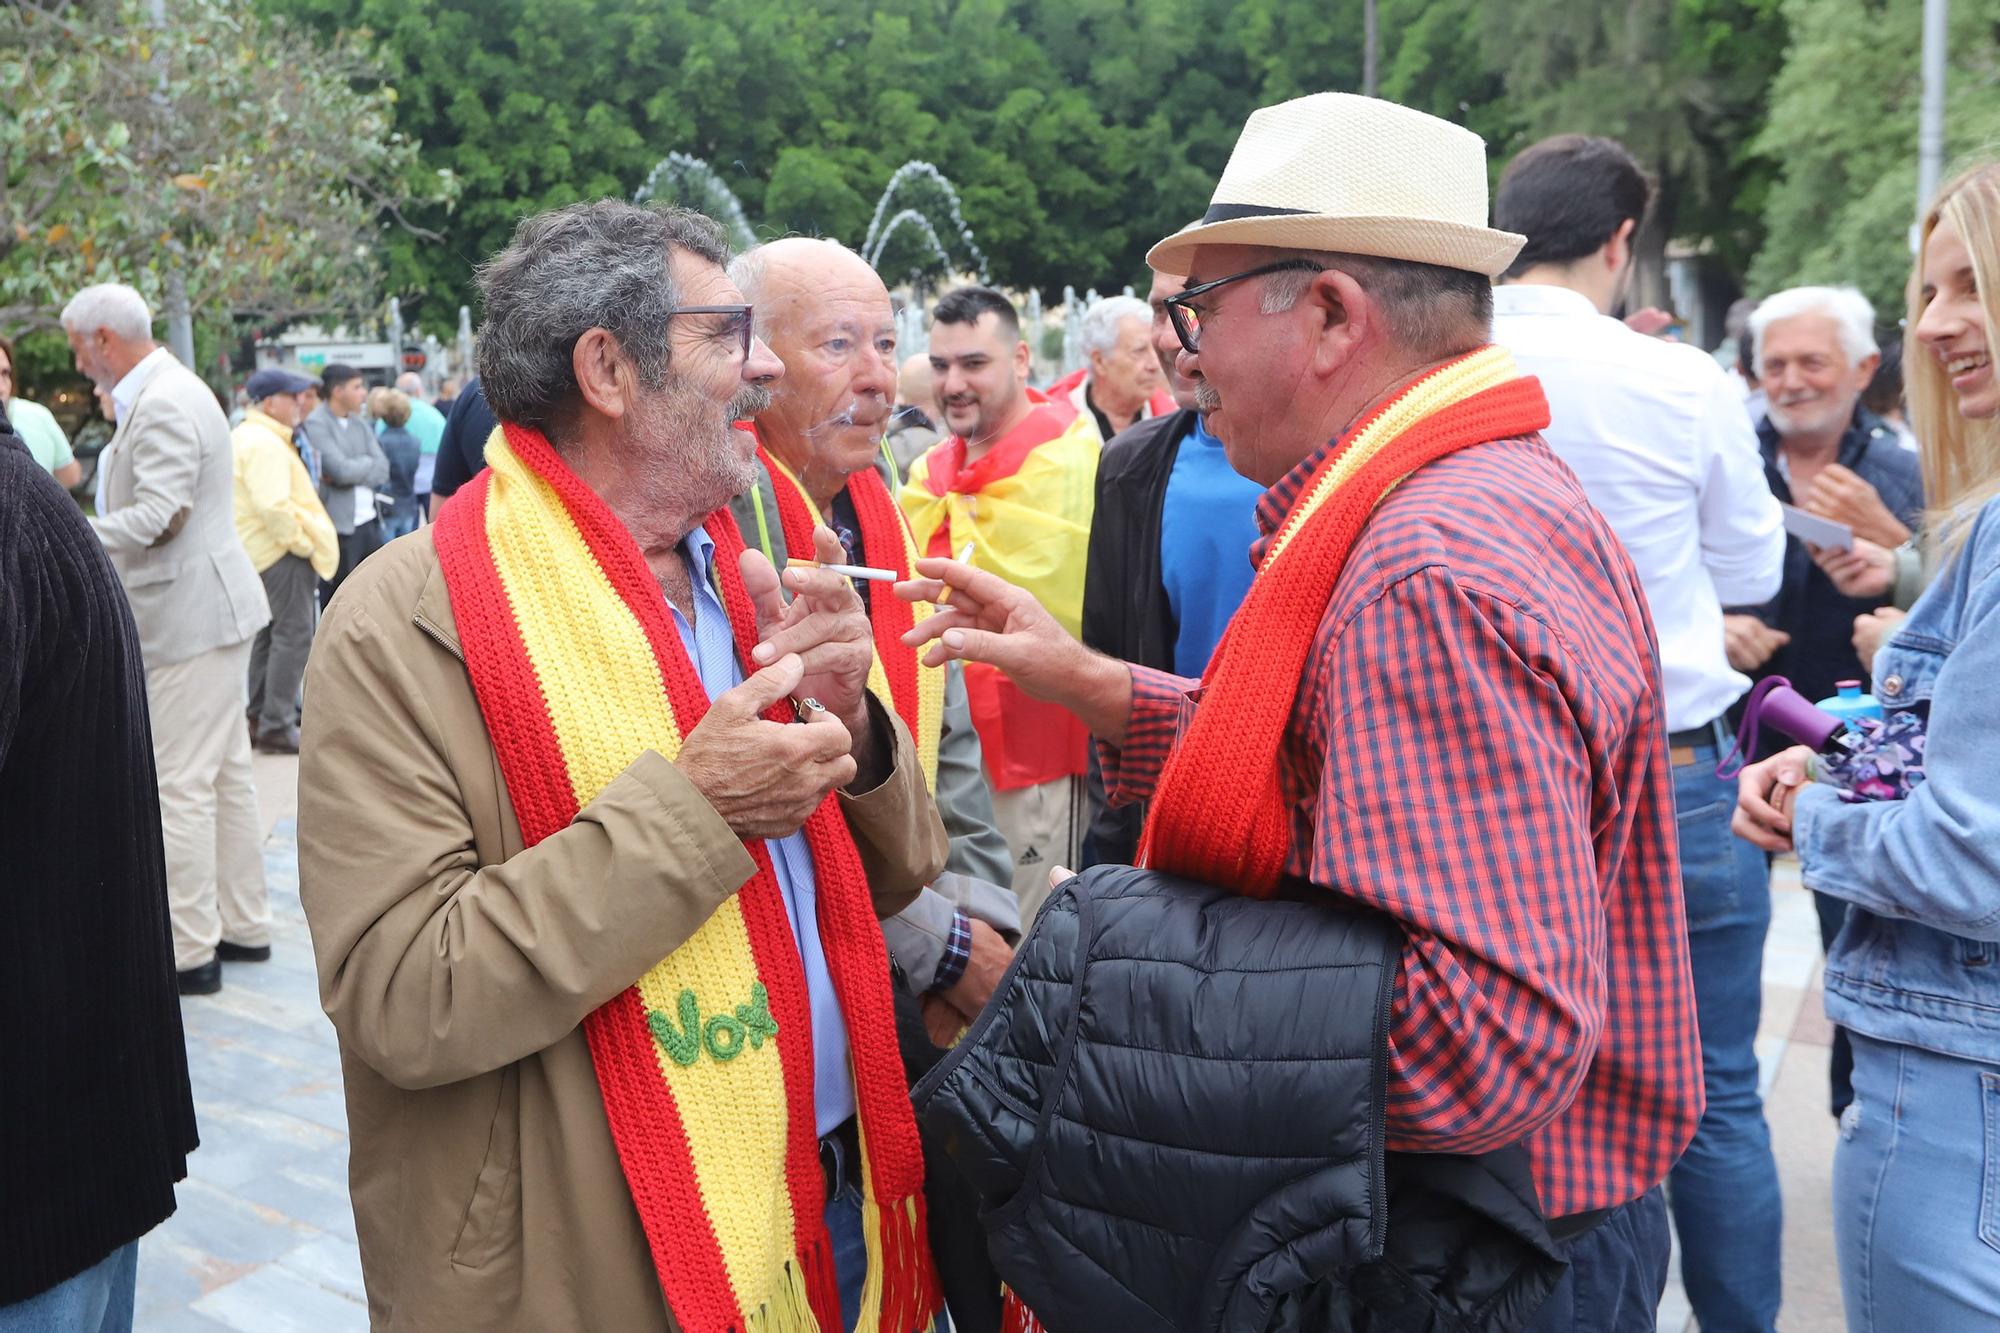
(711, 644)
(1208, 521)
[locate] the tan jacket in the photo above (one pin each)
(166, 517)
(457, 966)
(278, 512)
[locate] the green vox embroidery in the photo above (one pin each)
(722, 1035)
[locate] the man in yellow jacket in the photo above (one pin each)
(291, 541)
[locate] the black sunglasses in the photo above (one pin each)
(1186, 317)
(737, 324)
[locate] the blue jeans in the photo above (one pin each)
(1617, 1271)
(850, 1249)
(97, 1300)
(1724, 1189)
(1916, 1192)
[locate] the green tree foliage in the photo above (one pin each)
(1682, 83)
(230, 146)
(1843, 128)
(1077, 133)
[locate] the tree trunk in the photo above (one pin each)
(1649, 251)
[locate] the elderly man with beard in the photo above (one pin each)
(1814, 349)
(594, 829)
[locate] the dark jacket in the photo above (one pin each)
(96, 1117)
(1126, 613)
(1173, 1110)
(400, 447)
(1808, 607)
(461, 451)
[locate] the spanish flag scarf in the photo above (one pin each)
(1219, 813)
(897, 678)
(705, 1063)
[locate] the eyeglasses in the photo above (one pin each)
(737, 322)
(1186, 316)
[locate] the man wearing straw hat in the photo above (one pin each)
(1440, 698)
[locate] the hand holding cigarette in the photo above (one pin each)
(983, 618)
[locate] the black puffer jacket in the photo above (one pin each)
(1173, 1112)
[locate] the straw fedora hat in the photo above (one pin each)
(1333, 171)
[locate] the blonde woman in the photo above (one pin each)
(1915, 974)
(391, 410)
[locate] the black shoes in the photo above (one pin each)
(207, 979)
(203, 980)
(276, 742)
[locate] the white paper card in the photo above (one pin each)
(1819, 531)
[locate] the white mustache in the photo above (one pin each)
(851, 415)
(1206, 399)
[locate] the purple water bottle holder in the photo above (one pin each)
(1776, 704)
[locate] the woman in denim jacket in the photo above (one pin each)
(1915, 974)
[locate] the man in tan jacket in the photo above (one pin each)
(459, 964)
(165, 517)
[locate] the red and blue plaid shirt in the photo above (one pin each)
(1479, 750)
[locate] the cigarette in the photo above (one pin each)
(868, 572)
(964, 555)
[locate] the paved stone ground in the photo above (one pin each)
(263, 1241)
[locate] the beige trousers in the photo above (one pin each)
(1044, 827)
(208, 804)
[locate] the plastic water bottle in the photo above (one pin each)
(1828, 726)
(1851, 704)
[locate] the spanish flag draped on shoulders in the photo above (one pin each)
(1025, 507)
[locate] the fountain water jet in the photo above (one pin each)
(681, 178)
(888, 219)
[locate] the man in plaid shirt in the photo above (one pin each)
(1477, 747)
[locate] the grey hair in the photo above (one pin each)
(410, 382)
(597, 265)
(1850, 311)
(1430, 310)
(1101, 321)
(112, 306)
(746, 273)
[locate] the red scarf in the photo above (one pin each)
(1219, 813)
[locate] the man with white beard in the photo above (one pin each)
(1815, 352)
(1823, 451)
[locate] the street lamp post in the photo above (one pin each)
(1930, 114)
(1369, 40)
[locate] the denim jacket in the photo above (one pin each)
(1919, 963)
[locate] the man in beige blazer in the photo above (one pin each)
(166, 516)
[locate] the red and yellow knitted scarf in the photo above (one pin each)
(915, 691)
(1219, 813)
(705, 1063)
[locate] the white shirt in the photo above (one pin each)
(1658, 437)
(123, 394)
